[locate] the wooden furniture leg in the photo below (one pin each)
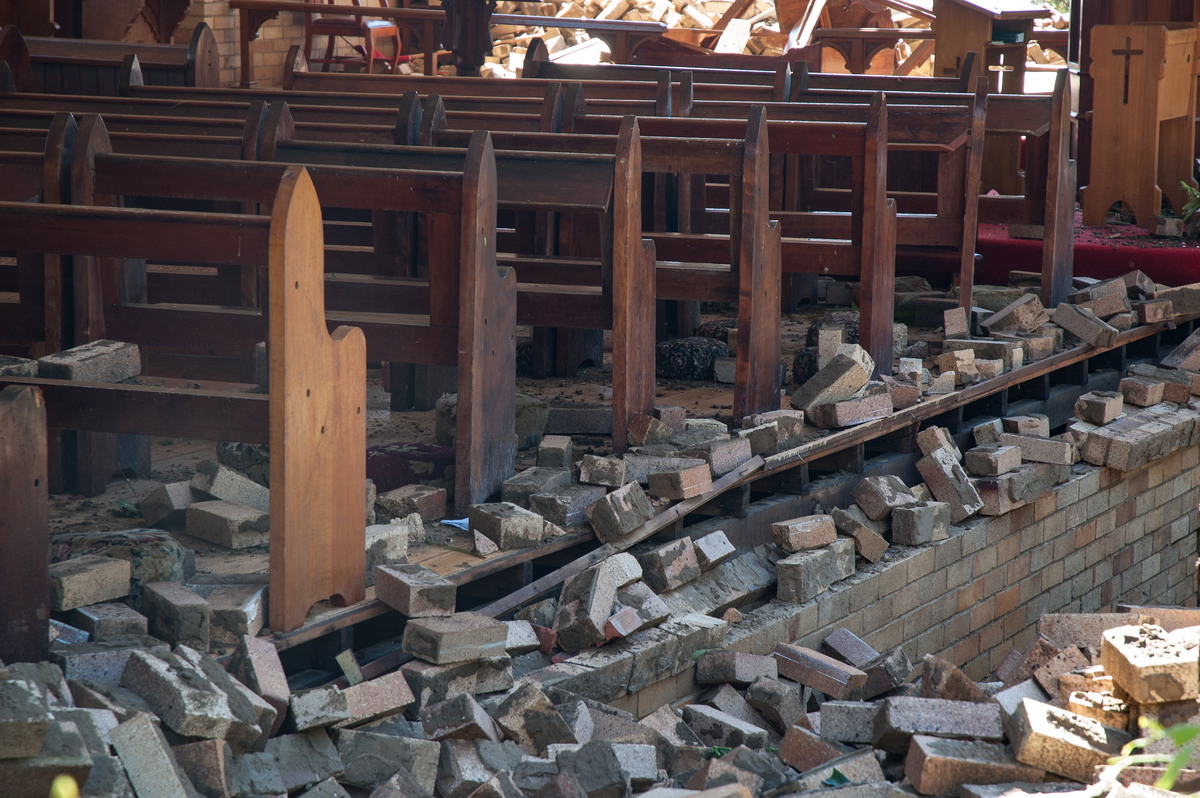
(318, 423)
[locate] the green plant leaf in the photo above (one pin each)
(836, 779)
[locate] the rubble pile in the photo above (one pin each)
(127, 715)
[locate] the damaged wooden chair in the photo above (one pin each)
(372, 32)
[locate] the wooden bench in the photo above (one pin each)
(91, 66)
(739, 266)
(587, 186)
(461, 314)
(866, 248)
(317, 400)
(1039, 198)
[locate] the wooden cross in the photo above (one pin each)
(1128, 53)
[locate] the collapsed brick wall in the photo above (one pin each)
(1103, 538)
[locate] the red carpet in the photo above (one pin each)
(1106, 251)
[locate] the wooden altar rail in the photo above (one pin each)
(427, 24)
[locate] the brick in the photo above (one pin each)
(860, 768)
(715, 727)
(566, 505)
(148, 760)
(518, 488)
(371, 759)
(465, 636)
(876, 403)
(647, 430)
(1024, 314)
(681, 483)
(1085, 325)
(903, 394)
(1062, 742)
(256, 664)
(733, 667)
(1104, 707)
(1186, 355)
(804, 749)
(900, 717)
(24, 719)
(555, 452)
(1034, 424)
(1150, 664)
(387, 544)
(228, 524)
(722, 455)
(106, 620)
(806, 532)
(713, 549)
(1042, 450)
(304, 759)
(937, 766)
(1178, 386)
(207, 764)
(606, 471)
(97, 361)
(1141, 391)
(962, 363)
(804, 575)
(848, 647)
(12, 366)
(878, 496)
(176, 614)
(595, 763)
(87, 579)
(670, 565)
(376, 698)
(955, 323)
(886, 672)
(1018, 667)
(620, 512)
(414, 590)
(788, 423)
(1099, 407)
(1068, 658)
(167, 504)
(764, 439)
(777, 701)
(179, 694)
(848, 721)
(433, 683)
(319, 707)
(949, 483)
(529, 718)
(988, 432)
(1153, 311)
(587, 601)
(429, 503)
(992, 459)
(215, 480)
(943, 679)
(820, 672)
(1008, 351)
(651, 609)
(840, 379)
(234, 611)
(507, 525)
(1105, 307)
(460, 717)
(923, 522)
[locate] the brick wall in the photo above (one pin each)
(1103, 538)
(269, 49)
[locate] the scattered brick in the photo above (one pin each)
(878, 496)
(465, 636)
(1142, 391)
(820, 672)
(900, 717)
(1151, 664)
(949, 483)
(670, 565)
(620, 512)
(88, 579)
(923, 522)
(1062, 742)
(806, 532)
(414, 590)
(937, 766)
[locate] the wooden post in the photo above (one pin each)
(1143, 118)
(24, 554)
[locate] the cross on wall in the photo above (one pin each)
(1128, 52)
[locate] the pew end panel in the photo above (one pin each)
(318, 423)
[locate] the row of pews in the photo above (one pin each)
(424, 219)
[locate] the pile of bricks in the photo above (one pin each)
(140, 716)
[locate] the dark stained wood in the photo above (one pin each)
(24, 559)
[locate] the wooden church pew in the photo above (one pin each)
(317, 399)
